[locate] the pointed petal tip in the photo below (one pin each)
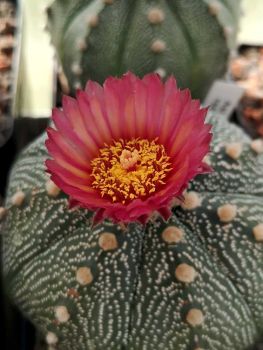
(92, 87)
(165, 212)
(97, 217)
(47, 166)
(151, 78)
(143, 219)
(72, 203)
(64, 99)
(130, 75)
(49, 129)
(171, 82)
(206, 168)
(69, 101)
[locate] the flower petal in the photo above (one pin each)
(78, 123)
(154, 103)
(60, 145)
(64, 127)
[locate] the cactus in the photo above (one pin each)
(190, 39)
(194, 282)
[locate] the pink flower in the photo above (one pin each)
(127, 149)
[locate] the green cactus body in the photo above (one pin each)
(194, 282)
(190, 39)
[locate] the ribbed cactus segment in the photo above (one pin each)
(190, 39)
(195, 282)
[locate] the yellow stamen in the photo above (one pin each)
(131, 169)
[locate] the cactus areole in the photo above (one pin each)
(190, 39)
(190, 277)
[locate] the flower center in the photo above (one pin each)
(130, 169)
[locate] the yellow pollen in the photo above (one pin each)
(131, 169)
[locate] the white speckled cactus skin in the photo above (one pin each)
(190, 39)
(195, 282)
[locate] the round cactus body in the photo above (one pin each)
(190, 39)
(194, 282)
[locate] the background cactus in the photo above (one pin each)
(190, 39)
(192, 283)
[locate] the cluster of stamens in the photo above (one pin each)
(131, 169)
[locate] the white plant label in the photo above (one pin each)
(223, 97)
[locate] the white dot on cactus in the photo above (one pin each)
(155, 15)
(76, 69)
(93, 21)
(172, 235)
(51, 338)
(257, 146)
(234, 150)
(52, 189)
(81, 45)
(258, 232)
(227, 212)
(191, 200)
(3, 212)
(62, 314)
(185, 273)
(18, 198)
(158, 46)
(195, 317)
(108, 241)
(161, 71)
(84, 276)
(214, 8)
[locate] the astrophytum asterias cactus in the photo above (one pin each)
(190, 39)
(195, 282)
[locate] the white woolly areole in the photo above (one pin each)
(234, 150)
(172, 235)
(195, 317)
(108, 241)
(155, 15)
(18, 198)
(185, 273)
(51, 338)
(84, 276)
(258, 232)
(191, 200)
(52, 189)
(62, 314)
(257, 146)
(227, 212)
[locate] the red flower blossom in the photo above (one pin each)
(128, 148)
